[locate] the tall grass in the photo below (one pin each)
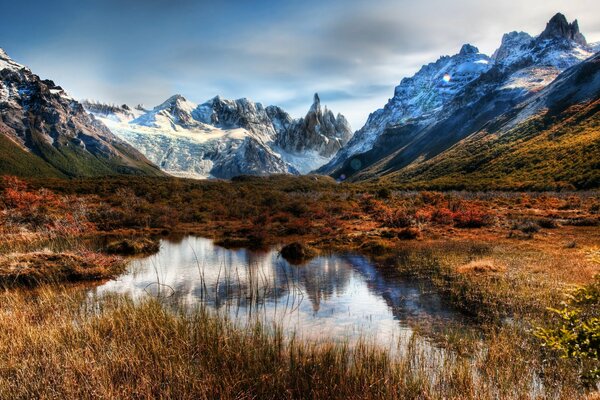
(56, 344)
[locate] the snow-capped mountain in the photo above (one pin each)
(224, 138)
(419, 98)
(455, 96)
(318, 131)
(45, 132)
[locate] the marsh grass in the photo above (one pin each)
(56, 343)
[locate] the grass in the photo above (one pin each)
(133, 246)
(53, 347)
(36, 268)
(547, 152)
(497, 256)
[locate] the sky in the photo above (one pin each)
(352, 52)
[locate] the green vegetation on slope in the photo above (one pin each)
(66, 160)
(546, 152)
(16, 161)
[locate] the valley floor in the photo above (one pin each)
(503, 258)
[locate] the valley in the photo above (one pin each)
(447, 249)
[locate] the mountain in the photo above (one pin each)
(44, 132)
(224, 138)
(551, 141)
(318, 131)
(399, 137)
(418, 99)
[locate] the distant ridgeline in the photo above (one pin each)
(524, 118)
(46, 133)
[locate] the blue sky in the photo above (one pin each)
(353, 52)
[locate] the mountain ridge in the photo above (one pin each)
(204, 140)
(522, 66)
(44, 129)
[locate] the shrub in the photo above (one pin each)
(442, 216)
(548, 223)
(399, 218)
(472, 218)
(297, 253)
(384, 193)
(409, 234)
(526, 226)
(576, 333)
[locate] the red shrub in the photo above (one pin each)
(472, 218)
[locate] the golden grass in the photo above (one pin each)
(52, 346)
(35, 268)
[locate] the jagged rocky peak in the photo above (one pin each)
(232, 114)
(559, 27)
(316, 106)
(468, 49)
(319, 131)
(511, 42)
(8, 63)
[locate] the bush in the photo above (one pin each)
(297, 253)
(442, 216)
(399, 218)
(548, 223)
(409, 234)
(576, 334)
(526, 227)
(472, 218)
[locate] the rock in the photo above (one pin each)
(133, 246)
(297, 253)
(319, 131)
(559, 27)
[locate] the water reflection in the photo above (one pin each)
(333, 297)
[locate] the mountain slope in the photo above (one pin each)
(552, 141)
(225, 138)
(521, 68)
(46, 132)
(417, 100)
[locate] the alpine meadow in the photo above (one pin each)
(310, 246)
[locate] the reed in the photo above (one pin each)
(56, 343)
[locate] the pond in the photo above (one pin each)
(333, 297)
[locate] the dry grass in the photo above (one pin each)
(481, 266)
(53, 347)
(35, 268)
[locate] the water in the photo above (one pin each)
(334, 297)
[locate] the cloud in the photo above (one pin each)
(353, 52)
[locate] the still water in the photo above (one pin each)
(334, 297)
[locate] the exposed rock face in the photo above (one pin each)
(318, 131)
(513, 45)
(41, 119)
(559, 27)
(225, 138)
(232, 114)
(450, 99)
(419, 98)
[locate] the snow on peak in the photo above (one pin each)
(176, 102)
(7, 63)
(173, 114)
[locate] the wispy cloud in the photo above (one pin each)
(353, 52)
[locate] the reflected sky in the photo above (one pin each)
(336, 297)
